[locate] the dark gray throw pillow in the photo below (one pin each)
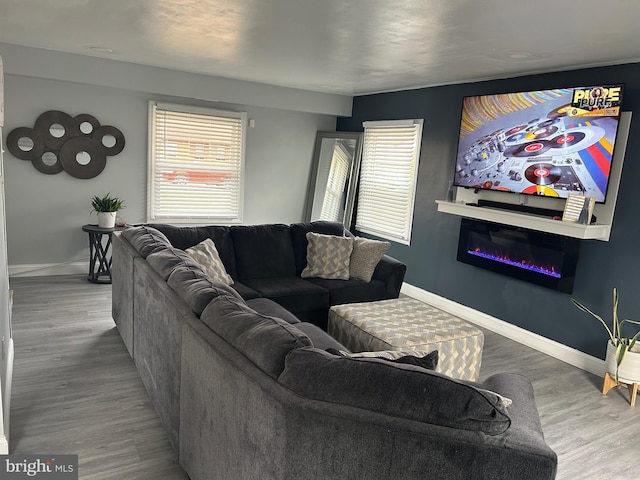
(430, 361)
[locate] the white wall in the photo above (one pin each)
(6, 342)
(45, 213)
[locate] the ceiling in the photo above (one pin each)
(345, 47)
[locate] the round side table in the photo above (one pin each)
(99, 252)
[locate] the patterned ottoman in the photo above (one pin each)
(408, 325)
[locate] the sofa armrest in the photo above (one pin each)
(122, 279)
(391, 272)
(525, 434)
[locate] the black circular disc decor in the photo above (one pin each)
(90, 119)
(516, 137)
(567, 139)
(543, 174)
(105, 130)
(47, 167)
(561, 111)
(46, 120)
(14, 137)
(544, 132)
(547, 123)
(530, 149)
(71, 148)
(513, 130)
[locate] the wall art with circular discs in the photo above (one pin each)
(78, 145)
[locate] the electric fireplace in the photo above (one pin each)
(541, 258)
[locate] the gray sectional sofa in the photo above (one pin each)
(244, 379)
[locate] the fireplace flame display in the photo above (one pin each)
(523, 263)
(536, 257)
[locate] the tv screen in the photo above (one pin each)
(546, 142)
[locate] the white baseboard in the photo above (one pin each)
(542, 344)
(47, 269)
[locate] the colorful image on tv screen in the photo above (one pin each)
(548, 142)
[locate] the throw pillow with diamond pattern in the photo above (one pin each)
(328, 256)
(206, 254)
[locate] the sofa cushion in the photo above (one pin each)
(352, 290)
(197, 289)
(293, 293)
(164, 261)
(400, 390)
(320, 338)
(244, 291)
(264, 340)
(328, 256)
(299, 237)
(145, 239)
(265, 306)
(206, 255)
(185, 237)
(365, 256)
(263, 251)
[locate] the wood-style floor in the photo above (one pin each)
(75, 388)
(76, 391)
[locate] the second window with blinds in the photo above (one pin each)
(196, 159)
(388, 177)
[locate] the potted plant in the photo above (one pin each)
(619, 347)
(106, 208)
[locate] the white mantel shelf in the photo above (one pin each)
(524, 220)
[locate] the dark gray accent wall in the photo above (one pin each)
(431, 257)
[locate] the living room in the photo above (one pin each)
(42, 208)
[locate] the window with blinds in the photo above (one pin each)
(388, 177)
(196, 158)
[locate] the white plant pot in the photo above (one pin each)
(106, 219)
(629, 370)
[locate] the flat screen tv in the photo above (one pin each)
(546, 142)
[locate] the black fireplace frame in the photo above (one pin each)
(568, 247)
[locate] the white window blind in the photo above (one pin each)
(196, 159)
(336, 183)
(388, 176)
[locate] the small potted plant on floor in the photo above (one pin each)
(106, 207)
(622, 361)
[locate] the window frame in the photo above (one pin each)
(395, 235)
(233, 217)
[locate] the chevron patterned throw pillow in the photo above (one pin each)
(206, 254)
(328, 256)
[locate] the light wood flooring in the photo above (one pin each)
(76, 391)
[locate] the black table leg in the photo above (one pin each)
(99, 258)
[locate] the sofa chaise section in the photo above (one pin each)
(240, 423)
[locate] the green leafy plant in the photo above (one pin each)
(622, 344)
(106, 203)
